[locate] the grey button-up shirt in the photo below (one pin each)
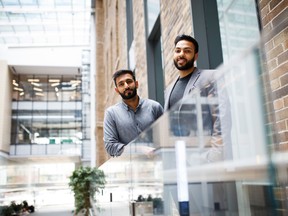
(122, 124)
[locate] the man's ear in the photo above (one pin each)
(116, 89)
(136, 84)
(196, 56)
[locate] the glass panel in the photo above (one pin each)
(25, 129)
(10, 2)
(153, 10)
(11, 39)
(37, 29)
(3, 17)
(52, 116)
(48, 21)
(25, 39)
(238, 26)
(32, 17)
(46, 3)
(21, 29)
(16, 17)
(29, 3)
(6, 28)
(209, 155)
(63, 2)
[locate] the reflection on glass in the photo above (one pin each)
(225, 135)
(238, 26)
(153, 10)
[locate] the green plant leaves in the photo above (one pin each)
(85, 182)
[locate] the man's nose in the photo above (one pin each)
(181, 53)
(126, 85)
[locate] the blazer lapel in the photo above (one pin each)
(193, 81)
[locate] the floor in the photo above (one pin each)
(115, 209)
(55, 210)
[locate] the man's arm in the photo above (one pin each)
(111, 137)
(159, 111)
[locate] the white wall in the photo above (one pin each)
(42, 56)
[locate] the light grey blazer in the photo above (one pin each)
(198, 80)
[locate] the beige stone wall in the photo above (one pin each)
(114, 45)
(140, 47)
(273, 13)
(100, 85)
(112, 55)
(5, 107)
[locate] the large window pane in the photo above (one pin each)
(46, 109)
(238, 26)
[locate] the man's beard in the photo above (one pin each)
(130, 95)
(187, 66)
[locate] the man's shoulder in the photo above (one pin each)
(151, 101)
(114, 107)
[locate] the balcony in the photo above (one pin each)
(193, 165)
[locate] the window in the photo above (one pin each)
(46, 109)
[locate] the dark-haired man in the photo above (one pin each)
(124, 121)
(214, 106)
(185, 54)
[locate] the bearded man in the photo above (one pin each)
(124, 121)
(188, 112)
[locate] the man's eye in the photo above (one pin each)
(120, 84)
(188, 51)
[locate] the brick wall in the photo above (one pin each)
(140, 47)
(100, 82)
(273, 14)
(112, 55)
(176, 18)
(111, 50)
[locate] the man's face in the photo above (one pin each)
(126, 86)
(184, 55)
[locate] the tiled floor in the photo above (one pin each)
(115, 209)
(55, 210)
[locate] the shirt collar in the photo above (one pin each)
(141, 100)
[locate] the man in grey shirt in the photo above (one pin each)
(124, 121)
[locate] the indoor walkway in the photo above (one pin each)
(55, 210)
(117, 209)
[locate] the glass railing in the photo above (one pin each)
(211, 154)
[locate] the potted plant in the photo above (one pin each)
(6, 210)
(85, 182)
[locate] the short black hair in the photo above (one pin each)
(188, 38)
(121, 72)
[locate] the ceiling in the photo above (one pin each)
(48, 70)
(44, 23)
